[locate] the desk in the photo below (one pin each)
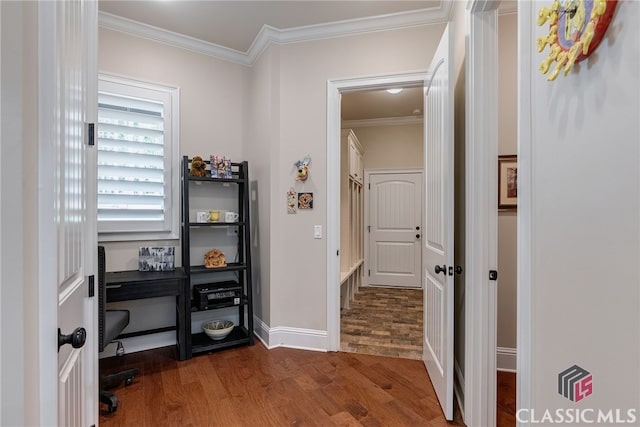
(133, 284)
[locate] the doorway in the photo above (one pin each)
(335, 90)
(381, 151)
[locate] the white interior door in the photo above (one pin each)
(439, 221)
(395, 229)
(67, 213)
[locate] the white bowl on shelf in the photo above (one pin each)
(217, 329)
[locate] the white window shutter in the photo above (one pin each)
(137, 161)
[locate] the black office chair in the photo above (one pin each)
(111, 323)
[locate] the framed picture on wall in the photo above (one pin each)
(507, 183)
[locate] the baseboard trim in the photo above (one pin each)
(458, 386)
(506, 359)
(282, 336)
(261, 330)
(304, 339)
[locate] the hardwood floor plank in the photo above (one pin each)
(257, 387)
(345, 419)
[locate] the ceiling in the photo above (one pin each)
(236, 24)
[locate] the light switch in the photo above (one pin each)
(317, 232)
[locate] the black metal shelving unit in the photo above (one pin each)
(242, 333)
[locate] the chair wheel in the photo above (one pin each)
(112, 403)
(128, 381)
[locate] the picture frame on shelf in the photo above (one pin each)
(507, 183)
(156, 258)
(220, 167)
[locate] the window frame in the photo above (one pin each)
(113, 231)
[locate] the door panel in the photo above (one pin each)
(70, 27)
(438, 246)
(395, 211)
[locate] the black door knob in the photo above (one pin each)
(458, 269)
(77, 338)
(417, 227)
(417, 236)
(440, 269)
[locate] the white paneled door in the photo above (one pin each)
(68, 92)
(438, 232)
(395, 229)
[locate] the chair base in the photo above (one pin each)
(112, 380)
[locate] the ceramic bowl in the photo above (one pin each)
(217, 329)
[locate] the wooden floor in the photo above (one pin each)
(506, 394)
(253, 386)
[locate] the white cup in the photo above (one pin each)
(202, 216)
(231, 216)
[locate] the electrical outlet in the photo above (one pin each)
(232, 231)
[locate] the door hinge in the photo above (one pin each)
(90, 134)
(493, 275)
(338, 252)
(369, 273)
(369, 228)
(92, 286)
(369, 186)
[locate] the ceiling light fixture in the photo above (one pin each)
(395, 90)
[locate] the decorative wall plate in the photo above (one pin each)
(576, 27)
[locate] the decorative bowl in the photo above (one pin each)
(217, 329)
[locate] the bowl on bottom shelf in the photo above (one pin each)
(217, 329)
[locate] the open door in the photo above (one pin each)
(439, 221)
(66, 211)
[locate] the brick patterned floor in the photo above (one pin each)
(384, 322)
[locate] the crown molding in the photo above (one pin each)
(129, 26)
(385, 121)
(508, 7)
(270, 34)
(386, 22)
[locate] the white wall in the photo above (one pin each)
(391, 147)
(263, 133)
(579, 275)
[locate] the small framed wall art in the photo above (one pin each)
(507, 183)
(305, 200)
